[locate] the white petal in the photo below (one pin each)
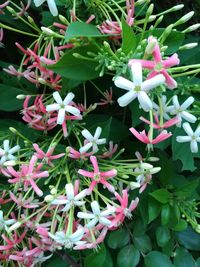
(52, 107)
(107, 212)
(153, 82)
(188, 129)
(97, 133)
(124, 83)
(74, 111)
(67, 207)
(9, 222)
(76, 236)
(79, 203)
(84, 215)
(81, 195)
(57, 98)
(101, 141)
(85, 148)
(59, 201)
(52, 7)
(68, 98)
(69, 189)
(95, 208)
(144, 101)
(136, 70)
(104, 221)
(38, 2)
(6, 145)
(94, 148)
(61, 116)
(14, 149)
(197, 132)
(92, 223)
(183, 139)
(188, 117)
(87, 135)
(1, 215)
(127, 98)
(187, 103)
(175, 102)
(194, 146)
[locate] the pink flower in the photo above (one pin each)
(112, 149)
(158, 65)
(165, 125)
(28, 174)
(98, 177)
(25, 203)
(123, 211)
(142, 136)
(108, 98)
(47, 157)
(13, 241)
(74, 154)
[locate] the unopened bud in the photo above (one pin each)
(146, 166)
(13, 130)
(164, 48)
(185, 18)
(177, 7)
(134, 185)
(11, 10)
(151, 46)
(141, 2)
(155, 170)
(47, 31)
(188, 46)
(192, 28)
(53, 191)
(153, 159)
(31, 20)
(15, 226)
(63, 19)
(10, 163)
(150, 10)
(41, 80)
(49, 198)
(21, 97)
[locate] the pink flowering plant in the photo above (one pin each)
(99, 134)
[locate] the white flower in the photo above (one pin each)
(180, 110)
(51, 4)
(93, 141)
(71, 200)
(192, 136)
(97, 215)
(138, 88)
(5, 223)
(165, 108)
(63, 106)
(68, 241)
(40, 258)
(6, 152)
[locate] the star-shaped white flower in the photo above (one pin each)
(192, 136)
(68, 241)
(63, 106)
(181, 110)
(72, 199)
(7, 153)
(92, 141)
(51, 4)
(5, 223)
(97, 215)
(137, 88)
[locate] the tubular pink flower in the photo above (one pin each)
(158, 65)
(165, 125)
(98, 177)
(142, 136)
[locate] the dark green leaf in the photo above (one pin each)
(161, 195)
(162, 236)
(128, 257)
(153, 209)
(101, 258)
(74, 68)
(81, 29)
(118, 239)
(129, 41)
(155, 259)
(189, 239)
(183, 258)
(165, 214)
(143, 243)
(187, 189)
(180, 226)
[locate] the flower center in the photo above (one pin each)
(158, 67)
(97, 176)
(127, 213)
(137, 88)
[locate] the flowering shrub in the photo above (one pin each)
(103, 159)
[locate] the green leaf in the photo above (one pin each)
(189, 239)
(165, 214)
(155, 259)
(118, 239)
(129, 40)
(56, 261)
(181, 226)
(81, 29)
(161, 195)
(143, 243)
(101, 258)
(162, 236)
(74, 68)
(153, 209)
(183, 258)
(128, 257)
(8, 101)
(187, 189)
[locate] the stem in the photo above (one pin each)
(16, 30)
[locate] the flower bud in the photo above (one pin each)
(15, 226)
(47, 31)
(10, 163)
(146, 166)
(185, 18)
(63, 19)
(134, 185)
(155, 170)
(192, 28)
(177, 7)
(21, 97)
(49, 198)
(41, 80)
(151, 46)
(53, 191)
(188, 46)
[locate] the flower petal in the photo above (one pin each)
(123, 83)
